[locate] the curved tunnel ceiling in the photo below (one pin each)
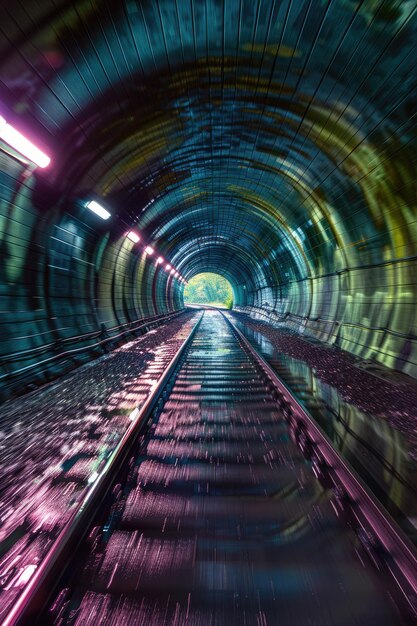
(269, 141)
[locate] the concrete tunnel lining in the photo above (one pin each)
(272, 143)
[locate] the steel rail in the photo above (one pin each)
(40, 587)
(370, 514)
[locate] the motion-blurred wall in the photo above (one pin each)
(64, 285)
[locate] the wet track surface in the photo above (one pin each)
(220, 519)
(53, 440)
(369, 440)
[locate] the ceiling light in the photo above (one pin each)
(167, 267)
(172, 271)
(149, 250)
(17, 141)
(133, 236)
(176, 274)
(159, 260)
(96, 208)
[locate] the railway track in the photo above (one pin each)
(223, 505)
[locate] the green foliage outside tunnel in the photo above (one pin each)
(209, 288)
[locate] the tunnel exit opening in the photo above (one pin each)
(209, 288)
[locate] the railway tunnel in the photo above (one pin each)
(143, 142)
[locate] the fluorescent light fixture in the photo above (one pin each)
(167, 267)
(149, 250)
(17, 141)
(176, 274)
(172, 271)
(159, 260)
(133, 236)
(96, 208)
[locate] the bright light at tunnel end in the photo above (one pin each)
(18, 142)
(99, 210)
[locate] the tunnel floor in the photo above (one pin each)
(54, 439)
(221, 519)
(387, 394)
(370, 420)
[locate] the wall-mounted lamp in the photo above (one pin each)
(17, 141)
(133, 236)
(96, 208)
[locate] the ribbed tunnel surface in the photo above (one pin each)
(272, 142)
(220, 519)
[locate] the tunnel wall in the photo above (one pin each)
(64, 278)
(311, 209)
(61, 277)
(369, 311)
